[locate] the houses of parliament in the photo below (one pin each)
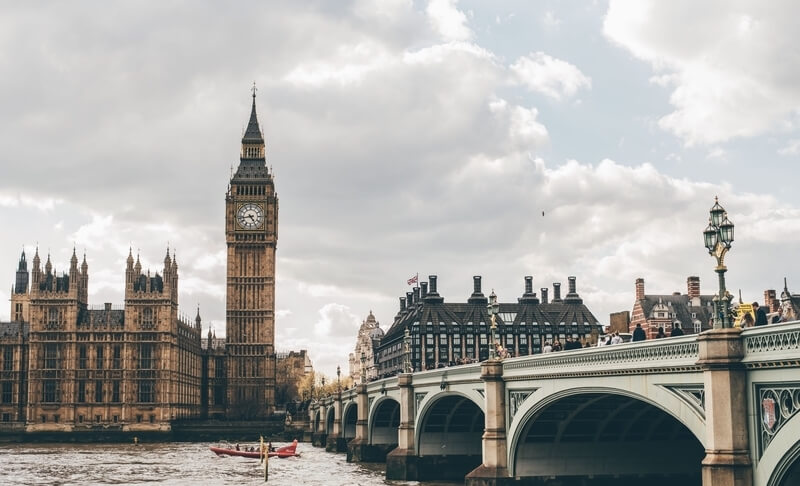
(68, 366)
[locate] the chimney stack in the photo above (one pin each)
(409, 299)
(544, 295)
(416, 295)
(769, 299)
(572, 296)
(476, 284)
(432, 279)
(529, 297)
(424, 286)
(639, 288)
(693, 287)
(572, 285)
(402, 304)
(556, 292)
(528, 284)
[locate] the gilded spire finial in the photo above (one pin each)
(254, 89)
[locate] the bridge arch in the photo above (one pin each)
(448, 435)
(349, 418)
(596, 431)
(330, 416)
(384, 419)
(317, 418)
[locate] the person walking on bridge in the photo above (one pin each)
(639, 334)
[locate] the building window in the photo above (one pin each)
(145, 356)
(7, 391)
(44, 419)
(8, 358)
(83, 359)
(98, 418)
(80, 419)
(81, 391)
(18, 312)
(6, 417)
(115, 418)
(152, 418)
(50, 391)
(148, 322)
(98, 391)
(117, 363)
(50, 356)
(52, 318)
(56, 418)
(99, 360)
(146, 389)
(139, 419)
(115, 391)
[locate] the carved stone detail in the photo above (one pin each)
(417, 400)
(776, 405)
(693, 395)
(515, 399)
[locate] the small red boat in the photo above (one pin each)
(281, 452)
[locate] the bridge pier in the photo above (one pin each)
(402, 462)
(727, 461)
(359, 449)
(319, 437)
(335, 441)
(494, 469)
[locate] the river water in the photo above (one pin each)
(179, 463)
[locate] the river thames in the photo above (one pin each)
(179, 463)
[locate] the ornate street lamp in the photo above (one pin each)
(363, 367)
(718, 237)
(407, 352)
(338, 378)
(493, 308)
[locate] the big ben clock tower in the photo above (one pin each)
(251, 234)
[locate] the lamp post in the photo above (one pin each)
(338, 378)
(718, 237)
(407, 352)
(363, 364)
(323, 385)
(493, 308)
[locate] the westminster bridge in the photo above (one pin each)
(719, 408)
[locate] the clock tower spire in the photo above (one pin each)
(251, 234)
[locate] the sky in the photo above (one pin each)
(441, 137)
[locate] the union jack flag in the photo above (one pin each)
(413, 279)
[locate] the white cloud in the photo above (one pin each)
(448, 20)
(549, 76)
(550, 20)
(337, 320)
(726, 62)
(792, 148)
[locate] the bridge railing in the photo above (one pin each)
(772, 345)
(668, 354)
(449, 375)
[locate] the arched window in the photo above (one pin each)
(147, 318)
(52, 318)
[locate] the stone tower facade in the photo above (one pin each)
(251, 234)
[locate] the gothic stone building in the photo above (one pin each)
(67, 366)
(443, 333)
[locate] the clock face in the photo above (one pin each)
(250, 216)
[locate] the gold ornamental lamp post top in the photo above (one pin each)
(493, 308)
(718, 237)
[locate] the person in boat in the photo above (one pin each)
(237, 447)
(269, 447)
